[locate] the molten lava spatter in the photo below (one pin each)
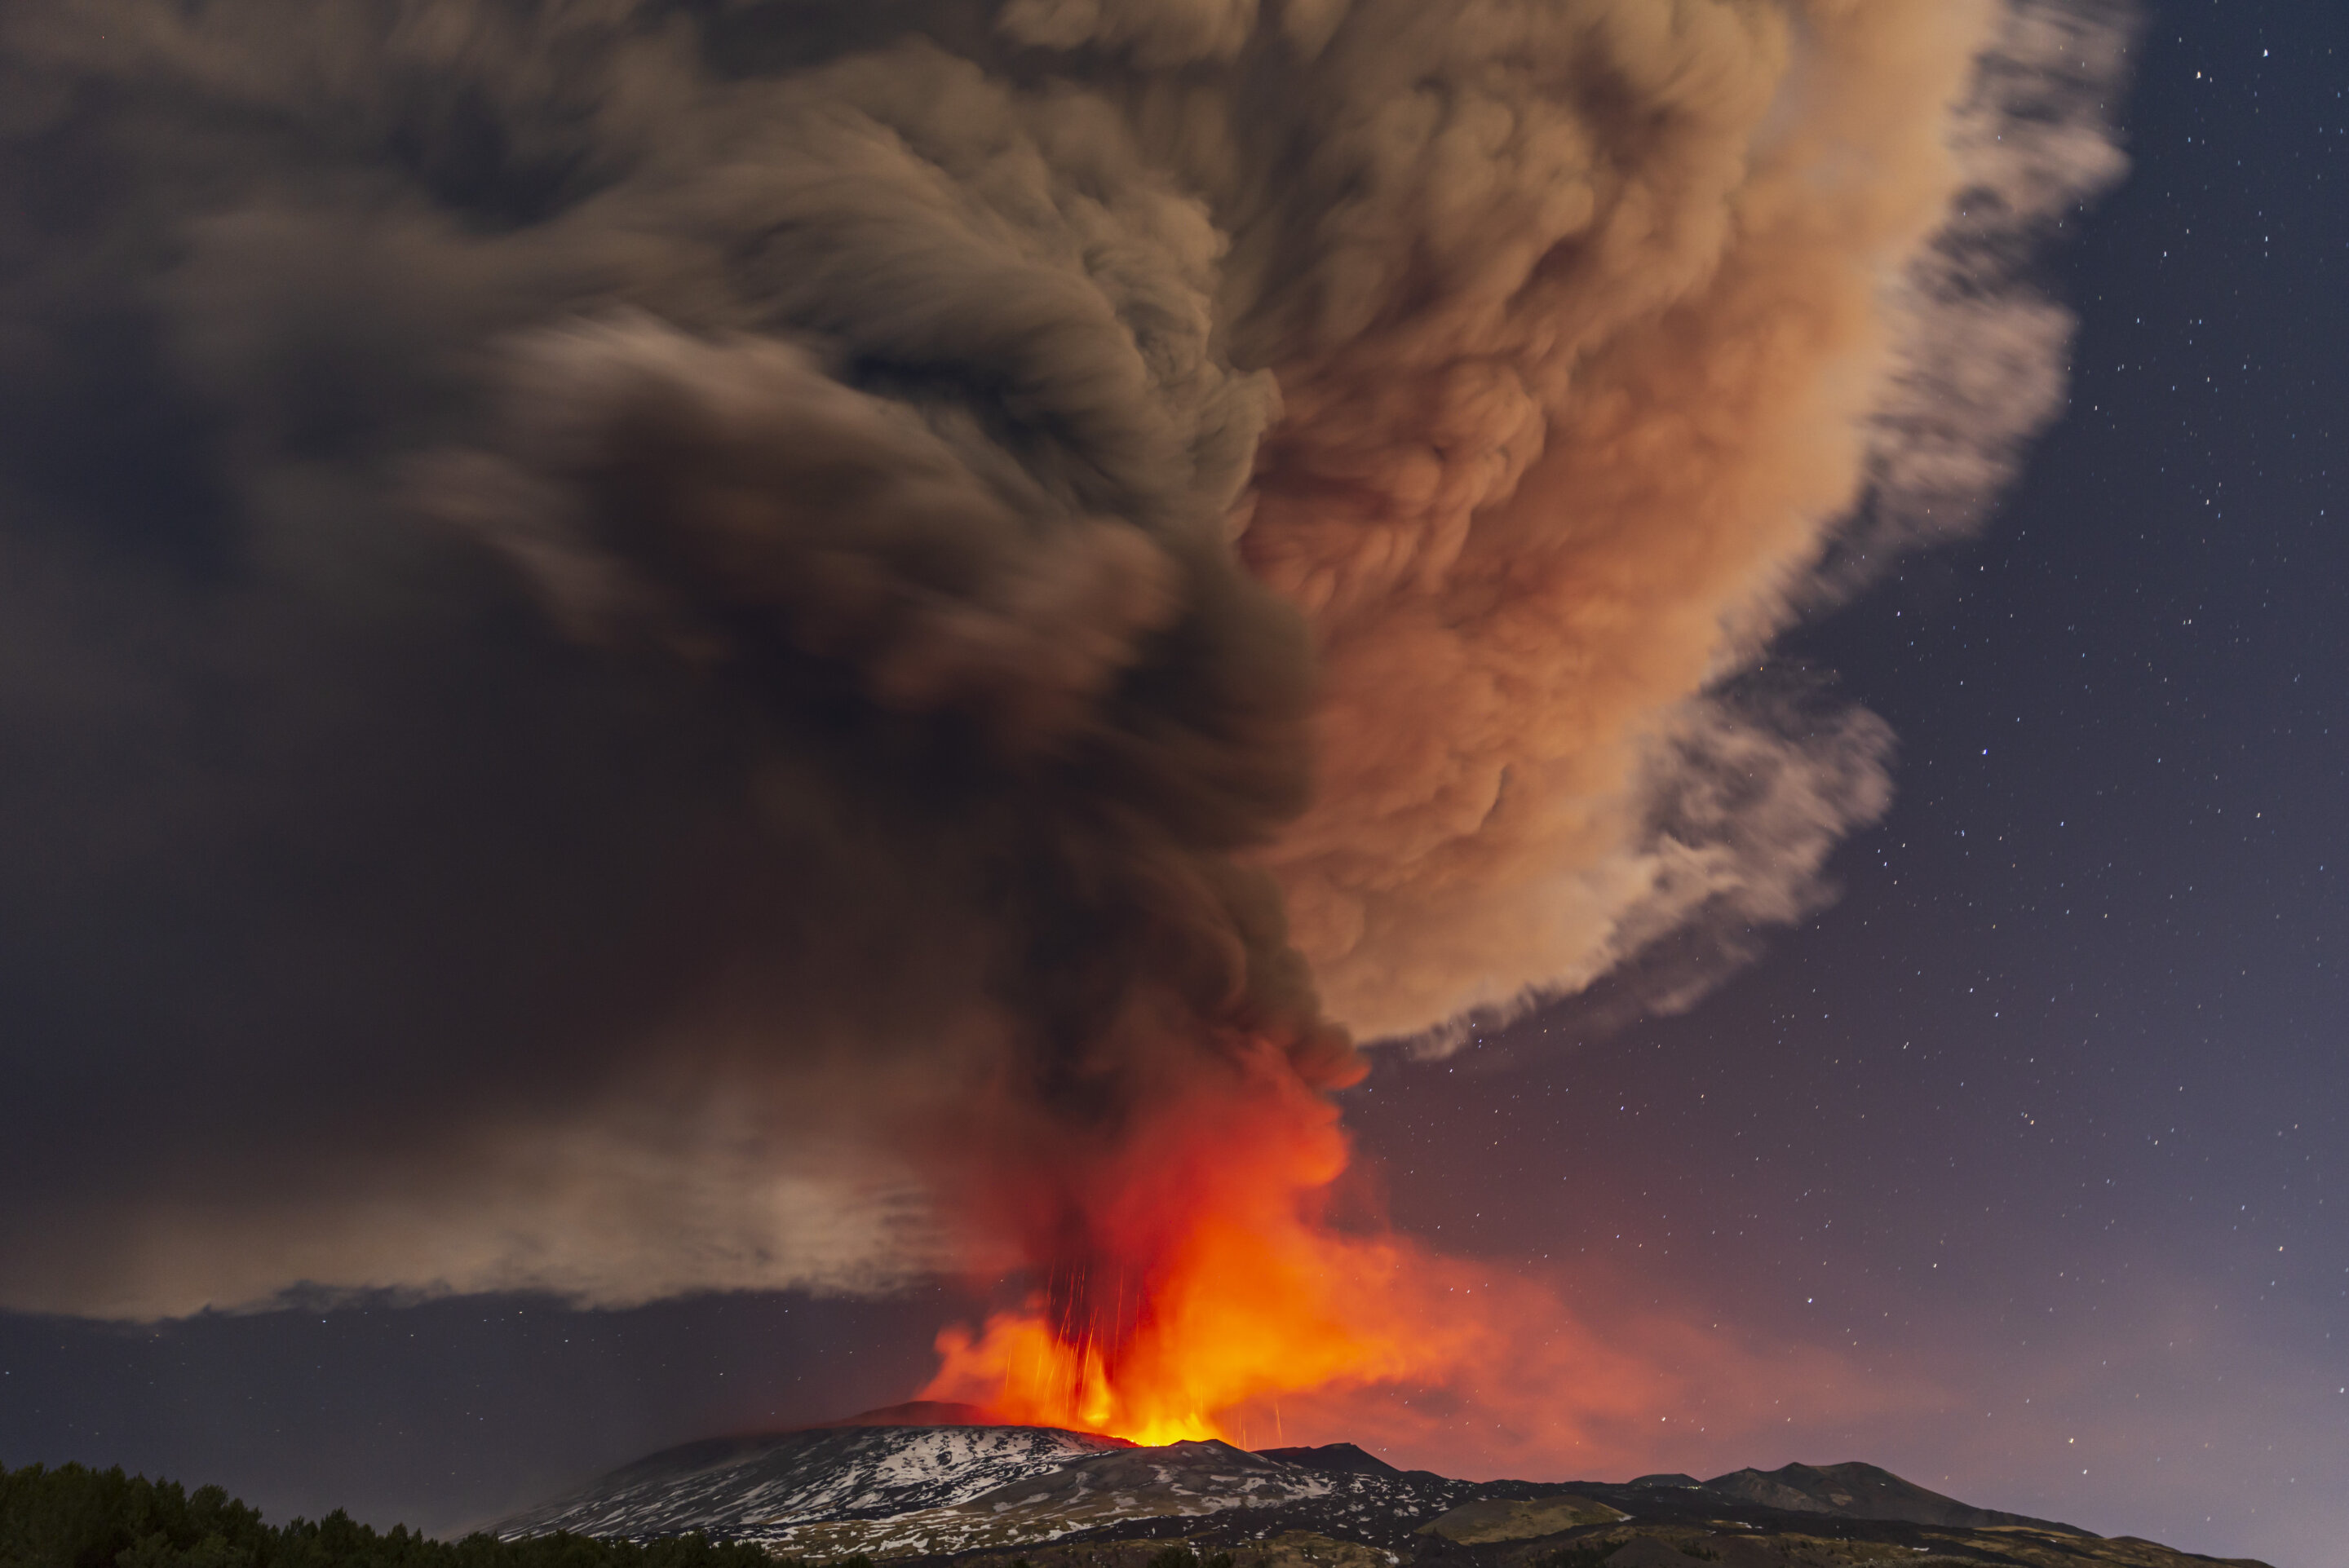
(1194, 1275)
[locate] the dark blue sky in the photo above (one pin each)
(2042, 1121)
(2051, 1106)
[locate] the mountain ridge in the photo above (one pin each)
(1861, 1491)
(913, 1486)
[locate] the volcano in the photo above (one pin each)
(933, 1484)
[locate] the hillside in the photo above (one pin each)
(754, 1488)
(991, 1497)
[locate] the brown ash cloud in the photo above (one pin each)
(642, 636)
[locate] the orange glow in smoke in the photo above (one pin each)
(1192, 1273)
(1191, 1284)
(1237, 1315)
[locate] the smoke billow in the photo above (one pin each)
(654, 645)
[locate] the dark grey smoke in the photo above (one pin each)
(663, 644)
(896, 697)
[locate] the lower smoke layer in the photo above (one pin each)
(670, 649)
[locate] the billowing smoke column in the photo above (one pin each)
(672, 645)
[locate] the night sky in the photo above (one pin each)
(2039, 1127)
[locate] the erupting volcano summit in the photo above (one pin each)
(908, 1482)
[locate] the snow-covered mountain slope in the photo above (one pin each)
(988, 1497)
(1181, 1484)
(756, 1488)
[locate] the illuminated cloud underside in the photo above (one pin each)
(943, 436)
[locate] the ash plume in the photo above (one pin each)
(656, 645)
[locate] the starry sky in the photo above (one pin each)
(2039, 1127)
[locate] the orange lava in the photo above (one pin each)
(1192, 1270)
(1191, 1281)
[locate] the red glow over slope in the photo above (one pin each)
(1190, 1271)
(1192, 1285)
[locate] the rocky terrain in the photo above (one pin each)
(752, 1488)
(926, 1486)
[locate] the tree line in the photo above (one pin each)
(75, 1517)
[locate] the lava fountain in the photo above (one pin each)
(1194, 1269)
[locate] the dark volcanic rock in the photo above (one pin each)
(924, 1413)
(1210, 1492)
(1341, 1459)
(746, 1488)
(1648, 1551)
(1857, 1491)
(912, 1486)
(1490, 1518)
